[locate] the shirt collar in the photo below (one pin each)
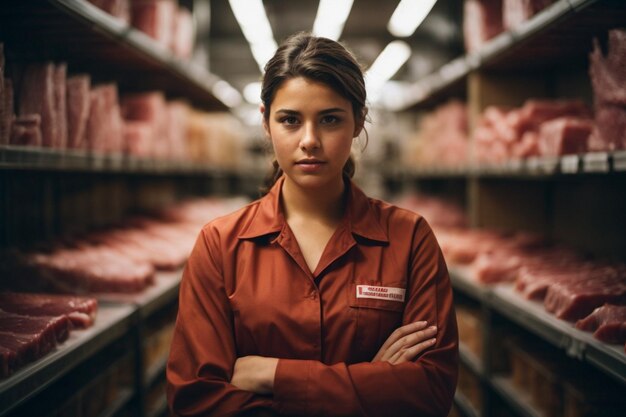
(359, 218)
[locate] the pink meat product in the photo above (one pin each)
(17, 350)
(138, 138)
(574, 299)
(37, 97)
(9, 113)
(496, 118)
(534, 279)
(608, 323)
(113, 136)
(515, 12)
(183, 37)
(51, 329)
(155, 18)
(97, 130)
(177, 112)
(482, 20)
(151, 108)
(60, 105)
(8, 360)
(528, 146)
(535, 112)
(80, 310)
(607, 73)
(26, 130)
(78, 100)
(564, 136)
(610, 128)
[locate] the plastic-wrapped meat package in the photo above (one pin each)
(96, 131)
(155, 18)
(37, 97)
(114, 124)
(564, 136)
(482, 20)
(184, 35)
(608, 323)
(177, 113)
(26, 130)
(150, 108)
(515, 12)
(60, 104)
(608, 79)
(78, 100)
(138, 137)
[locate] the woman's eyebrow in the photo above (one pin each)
(333, 110)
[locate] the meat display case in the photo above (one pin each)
(577, 200)
(39, 185)
(113, 321)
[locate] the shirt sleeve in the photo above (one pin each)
(203, 352)
(424, 387)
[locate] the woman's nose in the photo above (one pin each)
(310, 139)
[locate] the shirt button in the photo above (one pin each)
(313, 295)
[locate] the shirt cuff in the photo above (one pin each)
(291, 386)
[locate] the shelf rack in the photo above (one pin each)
(530, 315)
(117, 316)
(92, 41)
(112, 322)
(553, 37)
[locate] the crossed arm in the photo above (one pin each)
(256, 373)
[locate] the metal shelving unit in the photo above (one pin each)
(112, 322)
(520, 400)
(550, 38)
(465, 406)
(531, 315)
(90, 40)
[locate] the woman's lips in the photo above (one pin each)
(310, 165)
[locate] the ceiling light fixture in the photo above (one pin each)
(385, 66)
(252, 93)
(226, 93)
(250, 15)
(408, 16)
(331, 18)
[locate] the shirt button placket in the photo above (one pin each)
(317, 331)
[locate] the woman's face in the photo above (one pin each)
(311, 127)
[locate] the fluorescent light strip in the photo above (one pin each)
(331, 18)
(408, 16)
(250, 15)
(386, 65)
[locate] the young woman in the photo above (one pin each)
(314, 300)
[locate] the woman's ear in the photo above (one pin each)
(360, 123)
(266, 127)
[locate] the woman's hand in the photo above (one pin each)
(406, 342)
(255, 374)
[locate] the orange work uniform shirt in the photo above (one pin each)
(247, 290)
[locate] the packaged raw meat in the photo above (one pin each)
(564, 136)
(608, 79)
(78, 101)
(184, 35)
(37, 97)
(60, 101)
(156, 18)
(117, 8)
(149, 108)
(608, 323)
(578, 297)
(26, 130)
(138, 138)
(482, 20)
(81, 311)
(516, 12)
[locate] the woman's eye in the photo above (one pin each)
(330, 119)
(289, 120)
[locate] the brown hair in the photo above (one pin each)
(318, 59)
